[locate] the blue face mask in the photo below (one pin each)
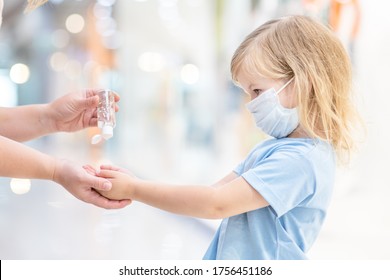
(270, 116)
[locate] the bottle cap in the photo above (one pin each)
(107, 131)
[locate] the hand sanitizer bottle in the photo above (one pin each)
(105, 115)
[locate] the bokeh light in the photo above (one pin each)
(20, 186)
(75, 23)
(19, 73)
(58, 61)
(73, 69)
(189, 74)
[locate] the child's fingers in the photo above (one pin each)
(105, 173)
(110, 167)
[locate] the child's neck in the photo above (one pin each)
(299, 132)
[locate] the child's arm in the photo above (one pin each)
(229, 199)
(228, 178)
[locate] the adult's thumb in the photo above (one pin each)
(102, 184)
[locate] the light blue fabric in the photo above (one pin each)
(296, 177)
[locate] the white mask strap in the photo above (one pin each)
(285, 85)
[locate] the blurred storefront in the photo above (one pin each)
(181, 119)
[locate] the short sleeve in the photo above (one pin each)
(283, 179)
(239, 168)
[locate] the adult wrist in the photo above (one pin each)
(56, 170)
(47, 119)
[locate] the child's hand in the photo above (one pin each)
(83, 184)
(121, 179)
(116, 168)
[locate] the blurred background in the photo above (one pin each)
(181, 120)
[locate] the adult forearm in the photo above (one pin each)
(20, 161)
(24, 123)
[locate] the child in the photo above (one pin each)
(273, 204)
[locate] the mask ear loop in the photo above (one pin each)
(284, 86)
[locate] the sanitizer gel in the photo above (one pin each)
(105, 116)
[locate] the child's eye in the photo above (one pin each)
(257, 91)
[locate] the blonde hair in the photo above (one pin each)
(300, 47)
(33, 4)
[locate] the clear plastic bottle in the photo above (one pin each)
(106, 113)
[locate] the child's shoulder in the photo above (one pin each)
(294, 147)
(289, 143)
(295, 153)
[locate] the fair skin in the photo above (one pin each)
(72, 112)
(230, 196)
(255, 86)
(69, 113)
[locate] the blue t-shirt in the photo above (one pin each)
(296, 177)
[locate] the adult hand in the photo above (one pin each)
(75, 111)
(122, 181)
(85, 186)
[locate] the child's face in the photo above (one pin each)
(256, 86)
